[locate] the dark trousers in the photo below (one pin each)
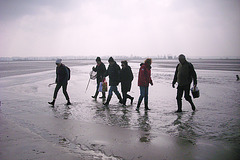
(125, 96)
(186, 90)
(64, 89)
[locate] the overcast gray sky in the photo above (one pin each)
(119, 27)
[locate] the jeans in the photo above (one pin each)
(115, 90)
(143, 94)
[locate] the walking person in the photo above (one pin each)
(100, 69)
(184, 75)
(113, 72)
(144, 78)
(126, 78)
(62, 77)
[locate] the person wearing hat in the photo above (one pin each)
(62, 75)
(113, 72)
(184, 74)
(100, 69)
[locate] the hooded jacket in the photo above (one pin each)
(113, 72)
(100, 69)
(144, 75)
(126, 77)
(184, 74)
(61, 74)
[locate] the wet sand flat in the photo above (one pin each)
(88, 130)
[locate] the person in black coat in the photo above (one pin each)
(126, 78)
(62, 75)
(113, 72)
(100, 69)
(184, 75)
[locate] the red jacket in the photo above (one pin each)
(144, 75)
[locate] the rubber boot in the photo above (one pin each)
(108, 100)
(192, 104)
(179, 103)
(52, 103)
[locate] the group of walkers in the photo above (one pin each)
(184, 74)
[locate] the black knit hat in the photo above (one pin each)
(98, 59)
(110, 59)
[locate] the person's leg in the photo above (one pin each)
(129, 97)
(189, 98)
(58, 86)
(64, 88)
(96, 93)
(142, 94)
(115, 90)
(146, 99)
(109, 95)
(179, 98)
(103, 95)
(124, 94)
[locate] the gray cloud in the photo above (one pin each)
(139, 27)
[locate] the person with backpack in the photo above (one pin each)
(100, 69)
(113, 72)
(62, 77)
(144, 79)
(126, 78)
(184, 74)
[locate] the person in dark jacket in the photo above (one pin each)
(126, 78)
(144, 78)
(113, 72)
(100, 69)
(62, 75)
(184, 75)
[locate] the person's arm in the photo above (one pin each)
(175, 77)
(56, 80)
(150, 79)
(194, 75)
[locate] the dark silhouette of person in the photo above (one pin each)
(144, 78)
(62, 75)
(100, 69)
(113, 72)
(237, 77)
(184, 75)
(126, 78)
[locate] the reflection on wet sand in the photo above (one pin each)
(144, 126)
(185, 127)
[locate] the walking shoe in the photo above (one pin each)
(94, 97)
(137, 109)
(178, 111)
(147, 109)
(52, 103)
(103, 97)
(105, 104)
(69, 103)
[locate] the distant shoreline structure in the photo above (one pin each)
(8, 59)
